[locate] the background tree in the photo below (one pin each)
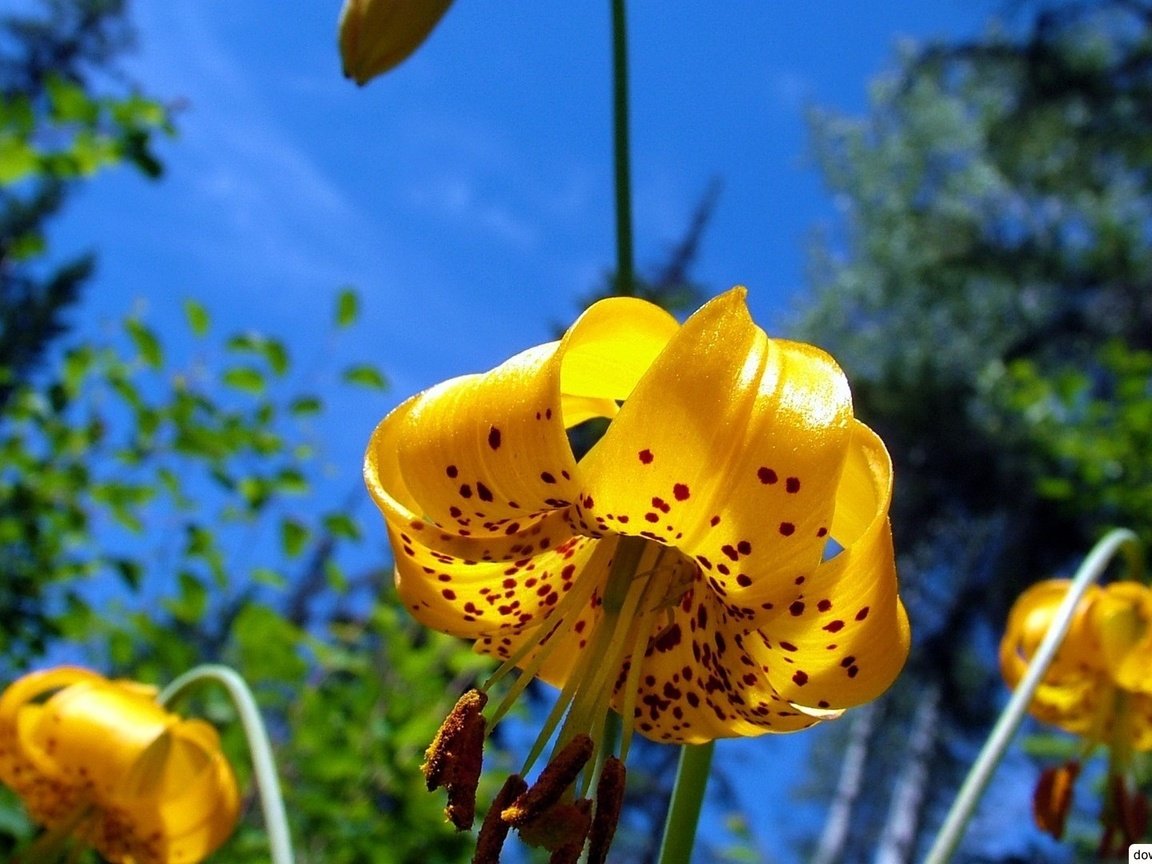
(65, 113)
(991, 301)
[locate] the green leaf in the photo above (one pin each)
(293, 536)
(342, 525)
(197, 317)
(146, 342)
(366, 375)
(306, 405)
(245, 378)
(347, 307)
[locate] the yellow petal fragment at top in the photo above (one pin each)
(377, 35)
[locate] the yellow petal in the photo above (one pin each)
(729, 448)
(474, 476)
(377, 35)
(18, 713)
(96, 730)
(478, 451)
(1076, 693)
(1121, 617)
(182, 791)
(844, 638)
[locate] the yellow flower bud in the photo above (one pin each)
(376, 35)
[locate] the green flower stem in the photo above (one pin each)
(259, 747)
(625, 270)
(687, 799)
(1090, 571)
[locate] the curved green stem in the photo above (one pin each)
(259, 747)
(687, 799)
(625, 270)
(1090, 571)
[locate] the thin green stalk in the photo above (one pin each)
(259, 747)
(625, 270)
(687, 799)
(1090, 571)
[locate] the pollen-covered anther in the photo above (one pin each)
(556, 777)
(562, 829)
(454, 758)
(494, 830)
(609, 802)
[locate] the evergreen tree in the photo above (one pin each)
(991, 301)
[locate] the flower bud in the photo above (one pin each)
(376, 35)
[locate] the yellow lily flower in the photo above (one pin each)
(1097, 687)
(377, 35)
(102, 763)
(679, 571)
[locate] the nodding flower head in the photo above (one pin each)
(719, 563)
(101, 763)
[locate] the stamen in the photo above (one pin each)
(576, 598)
(553, 780)
(454, 758)
(609, 802)
(561, 829)
(494, 830)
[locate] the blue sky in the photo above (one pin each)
(468, 194)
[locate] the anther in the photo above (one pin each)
(454, 758)
(561, 829)
(609, 802)
(494, 830)
(553, 780)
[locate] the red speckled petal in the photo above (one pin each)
(729, 449)
(844, 637)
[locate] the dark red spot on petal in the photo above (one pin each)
(834, 626)
(451, 471)
(494, 438)
(862, 614)
(767, 475)
(744, 547)
(787, 529)
(546, 477)
(792, 484)
(465, 491)
(800, 678)
(680, 490)
(483, 491)
(743, 580)
(797, 608)
(645, 456)
(824, 605)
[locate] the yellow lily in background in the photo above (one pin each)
(679, 571)
(101, 763)
(1098, 687)
(377, 35)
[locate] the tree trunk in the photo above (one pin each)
(835, 833)
(898, 839)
